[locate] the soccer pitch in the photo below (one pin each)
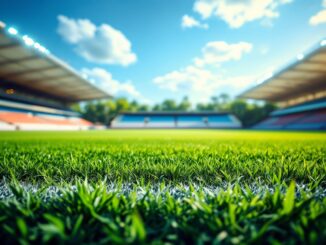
(163, 186)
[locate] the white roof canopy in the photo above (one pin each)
(305, 77)
(28, 64)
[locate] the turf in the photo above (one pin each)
(270, 187)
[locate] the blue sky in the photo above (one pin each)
(151, 50)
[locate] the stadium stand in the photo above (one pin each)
(7, 127)
(37, 89)
(299, 90)
(160, 121)
(175, 120)
(297, 117)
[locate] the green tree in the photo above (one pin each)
(200, 107)
(184, 105)
(225, 98)
(122, 104)
(239, 108)
(215, 105)
(169, 105)
(250, 114)
(104, 111)
(89, 112)
(157, 107)
(76, 107)
(134, 106)
(143, 108)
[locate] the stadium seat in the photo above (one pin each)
(175, 120)
(314, 120)
(129, 121)
(192, 121)
(28, 121)
(223, 121)
(160, 121)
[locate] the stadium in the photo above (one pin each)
(300, 91)
(33, 96)
(37, 88)
(175, 120)
(81, 165)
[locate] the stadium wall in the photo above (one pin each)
(175, 120)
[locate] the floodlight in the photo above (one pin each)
(300, 56)
(44, 50)
(323, 43)
(28, 41)
(12, 31)
(37, 45)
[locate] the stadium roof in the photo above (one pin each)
(25, 62)
(306, 76)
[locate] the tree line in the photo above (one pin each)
(105, 110)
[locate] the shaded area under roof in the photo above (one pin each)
(33, 67)
(304, 78)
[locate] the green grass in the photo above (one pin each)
(238, 161)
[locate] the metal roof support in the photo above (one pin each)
(17, 61)
(22, 73)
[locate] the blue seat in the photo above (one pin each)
(132, 118)
(160, 119)
(219, 119)
(190, 119)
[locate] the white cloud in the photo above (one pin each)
(199, 81)
(219, 52)
(104, 80)
(237, 12)
(192, 76)
(189, 22)
(73, 31)
(100, 44)
(320, 17)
